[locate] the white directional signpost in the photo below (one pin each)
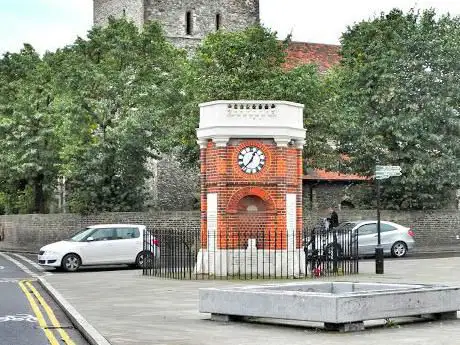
(385, 171)
(382, 172)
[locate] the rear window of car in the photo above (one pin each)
(127, 233)
(367, 229)
(386, 227)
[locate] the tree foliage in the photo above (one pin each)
(120, 98)
(249, 64)
(29, 159)
(399, 96)
(96, 111)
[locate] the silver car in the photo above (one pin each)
(397, 240)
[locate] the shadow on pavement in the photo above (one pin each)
(94, 269)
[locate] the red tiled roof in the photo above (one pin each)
(323, 175)
(324, 55)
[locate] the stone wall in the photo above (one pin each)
(432, 228)
(30, 232)
(173, 187)
(233, 15)
(346, 194)
(132, 9)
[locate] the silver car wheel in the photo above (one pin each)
(399, 249)
(71, 262)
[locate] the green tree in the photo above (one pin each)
(399, 102)
(249, 64)
(29, 148)
(120, 97)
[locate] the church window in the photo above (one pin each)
(188, 23)
(218, 21)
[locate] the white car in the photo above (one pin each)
(100, 245)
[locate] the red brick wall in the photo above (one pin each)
(281, 174)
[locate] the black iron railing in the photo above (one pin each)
(186, 254)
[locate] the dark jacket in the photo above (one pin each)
(334, 220)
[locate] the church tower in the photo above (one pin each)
(185, 22)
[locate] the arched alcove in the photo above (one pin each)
(250, 216)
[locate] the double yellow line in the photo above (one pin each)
(33, 296)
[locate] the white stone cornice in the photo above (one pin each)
(221, 141)
(282, 142)
(278, 120)
(203, 143)
(299, 144)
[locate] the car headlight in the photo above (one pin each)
(50, 253)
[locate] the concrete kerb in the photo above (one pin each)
(85, 328)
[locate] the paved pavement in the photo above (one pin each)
(28, 316)
(129, 309)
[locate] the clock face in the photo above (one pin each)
(251, 159)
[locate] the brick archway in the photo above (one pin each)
(232, 206)
(251, 214)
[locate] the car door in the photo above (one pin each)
(367, 238)
(388, 234)
(99, 247)
(127, 245)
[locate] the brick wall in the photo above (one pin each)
(264, 191)
(30, 232)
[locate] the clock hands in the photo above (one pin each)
(250, 161)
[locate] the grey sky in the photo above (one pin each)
(49, 24)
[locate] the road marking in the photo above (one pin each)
(18, 317)
(2, 267)
(22, 266)
(64, 336)
(41, 321)
(37, 266)
(17, 263)
(10, 280)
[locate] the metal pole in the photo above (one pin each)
(379, 249)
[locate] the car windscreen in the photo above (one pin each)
(81, 235)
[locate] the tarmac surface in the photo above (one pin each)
(129, 309)
(28, 315)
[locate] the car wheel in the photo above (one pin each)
(399, 249)
(145, 260)
(71, 262)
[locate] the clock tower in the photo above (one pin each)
(251, 188)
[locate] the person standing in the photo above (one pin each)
(333, 219)
(334, 223)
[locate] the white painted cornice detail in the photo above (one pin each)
(278, 120)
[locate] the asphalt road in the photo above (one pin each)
(28, 315)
